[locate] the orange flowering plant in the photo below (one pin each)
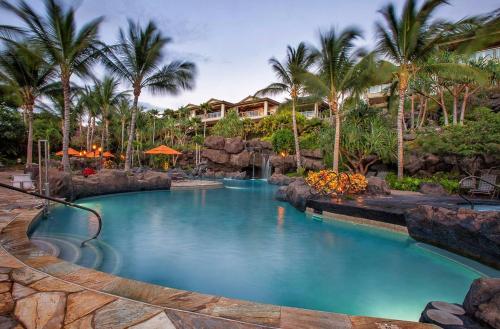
(329, 182)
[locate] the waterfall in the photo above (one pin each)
(266, 167)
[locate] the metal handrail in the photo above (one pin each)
(70, 204)
(473, 177)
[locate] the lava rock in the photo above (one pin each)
(377, 186)
(234, 145)
(280, 179)
(296, 193)
(432, 189)
(483, 301)
(215, 142)
(315, 154)
(240, 160)
(216, 156)
(475, 234)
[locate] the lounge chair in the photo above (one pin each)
(23, 181)
(487, 186)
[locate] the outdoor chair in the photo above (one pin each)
(23, 181)
(485, 186)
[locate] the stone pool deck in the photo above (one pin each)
(38, 290)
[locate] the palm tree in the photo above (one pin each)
(106, 97)
(339, 76)
(136, 60)
(70, 49)
(407, 40)
(290, 80)
(123, 111)
(205, 107)
(27, 75)
(154, 114)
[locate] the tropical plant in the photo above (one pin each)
(70, 49)
(123, 112)
(26, 74)
(342, 73)
(136, 59)
(290, 76)
(106, 97)
(407, 41)
(229, 126)
(11, 132)
(282, 141)
(331, 182)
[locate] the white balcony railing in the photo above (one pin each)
(213, 115)
(252, 114)
(308, 114)
(378, 89)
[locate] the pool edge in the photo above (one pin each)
(15, 242)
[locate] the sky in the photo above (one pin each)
(231, 41)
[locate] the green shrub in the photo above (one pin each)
(283, 141)
(412, 183)
(310, 141)
(11, 133)
(229, 126)
(479, 135)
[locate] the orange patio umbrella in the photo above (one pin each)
(162, 149)
(71, 152)
(108, 154)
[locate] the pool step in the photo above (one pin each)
(95, 254)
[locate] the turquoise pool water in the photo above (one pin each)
(238, 242)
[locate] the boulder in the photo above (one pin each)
(177, 174)
(112, 181)
(215, 142)
(258, 144)
(413, 164)
(432, 189)
(240, 160)
(280, 179)
(431, 160)
(483, 301)
(59, 183)
(377, 186)
(216, 156)
(312, 164)
(234, 145)
(475, 234)
(297, 194)
(315, 154)
(236, 175)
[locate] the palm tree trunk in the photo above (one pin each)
(464, 105)
(412, 113)
(296, 136)
(455, 107)
(89, 123)
(336, 144)
(92, 134)
(29, 148)
(443, 106)
(66, 126)
(106, 125)
(123, 136)
(399, 127)
(128, 155)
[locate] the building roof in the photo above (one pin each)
(254, 99)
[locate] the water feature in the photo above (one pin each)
(240, 243)
(266, 166)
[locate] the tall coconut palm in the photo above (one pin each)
(27, 75)
(70, 49)
(106, 97)
(290, 76)
(136, 59)
(123, 112)
(342, 72)
(407, 40)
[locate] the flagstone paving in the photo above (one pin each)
(38, 290)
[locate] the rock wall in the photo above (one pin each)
(236, 158)
(107, 181)
(475, 234)
(427, 164)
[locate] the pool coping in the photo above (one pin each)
(15, 241)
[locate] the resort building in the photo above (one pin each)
(251, 107)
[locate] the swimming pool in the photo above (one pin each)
(240, 243)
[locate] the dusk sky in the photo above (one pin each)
(232, 40)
